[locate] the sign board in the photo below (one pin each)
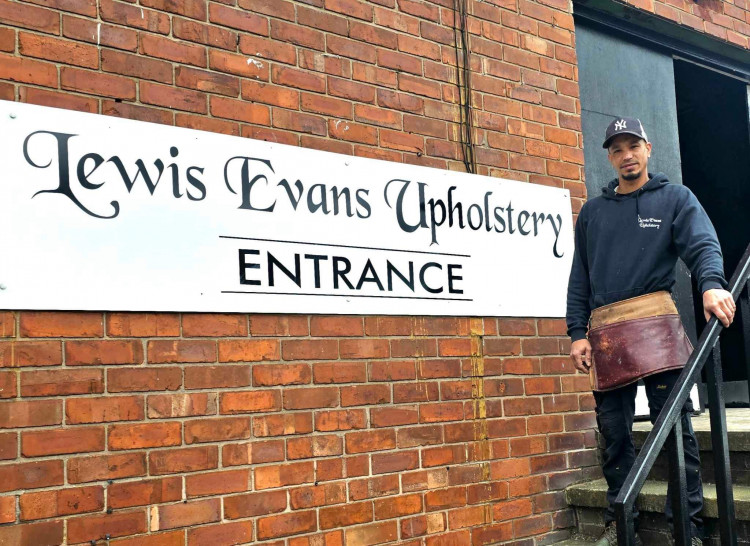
(100, 213)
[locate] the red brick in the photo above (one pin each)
(162, 406)
(44, 533)
(124, 14)
(36, 413)
(141, 113)
(248, 350)
(349, 514)
(312, 397)
(144, 435)
(8, 445)
(395, 462)
(106, 467)
(137, 379)
(217, 483)
(62, 502)
(249, 402)
(103, 409)
(99, 33)
(328, 421)
(263, 48)
(295, 34)
(25, 16)
(144, 492)
(138, 66)
(282, 424)
(239, 19)
(371, 440)
(60, 324)
(8, 384)
(103, 352)
(253, 452)
(204, 34)
(445, 498)
(96, 83)
(318, 495)
(394, 370)
(310, 349)
(360, 395)
(187, 514)
(142, 324)
(30, 475)
(364, 348)
(190, 459)
(54, 99)
(275, 325)
(61, 441)
(254, 504)
(350, 8)
(415, 392)
(52, 49)
(206, 377)
(282, 475)
(339, 372)
(222, 534)
(287, 524)
(322, 20)
(373, 487)
(316, 446)
(8, 509)
(215, 430)
(171, 97)
(237, 64)
(281, 374)
(88, 528)
(195, 9)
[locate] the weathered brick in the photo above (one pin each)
(61, 502)
(254, 504)
(62, 441)
(31, 475)
(106, 467)
(144, 492)
(187, 514)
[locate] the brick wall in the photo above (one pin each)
(166, 429)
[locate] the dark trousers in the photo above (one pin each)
(614, 415)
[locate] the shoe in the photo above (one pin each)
(609, 537)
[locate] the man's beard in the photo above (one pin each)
(631, 176)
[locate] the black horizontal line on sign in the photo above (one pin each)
(346, 295)
(345, 246)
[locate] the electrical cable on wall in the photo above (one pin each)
(463, 81)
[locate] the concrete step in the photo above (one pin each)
(738, 427)
(589, 499)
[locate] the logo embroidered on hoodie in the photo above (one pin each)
(649, 222)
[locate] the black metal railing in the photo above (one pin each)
(668, 429)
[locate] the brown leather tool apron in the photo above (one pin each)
(635, 338)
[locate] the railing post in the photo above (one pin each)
(625, 526)
(678, 486)
(720, 448)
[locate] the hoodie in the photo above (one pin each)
(628, 245)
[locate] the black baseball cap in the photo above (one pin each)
(624, 126)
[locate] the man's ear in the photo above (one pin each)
(649, 147)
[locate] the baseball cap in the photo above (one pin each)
(624, 126)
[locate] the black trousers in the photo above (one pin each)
(614, 415)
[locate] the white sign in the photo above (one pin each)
(100, 213)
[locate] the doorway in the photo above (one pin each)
(712, 119)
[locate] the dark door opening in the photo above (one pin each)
(712, 117)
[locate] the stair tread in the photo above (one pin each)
(593, 494)
(738, 430)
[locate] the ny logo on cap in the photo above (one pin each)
(620, 125)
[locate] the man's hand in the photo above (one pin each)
(580, 354)
(720, 303)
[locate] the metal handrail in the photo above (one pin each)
(668, 426)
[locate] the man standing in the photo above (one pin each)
(627, 243)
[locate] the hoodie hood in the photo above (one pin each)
(655, 182)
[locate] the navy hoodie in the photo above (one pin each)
(628, 245)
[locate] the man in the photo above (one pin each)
(627, 244)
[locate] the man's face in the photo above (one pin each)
(629, 155)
